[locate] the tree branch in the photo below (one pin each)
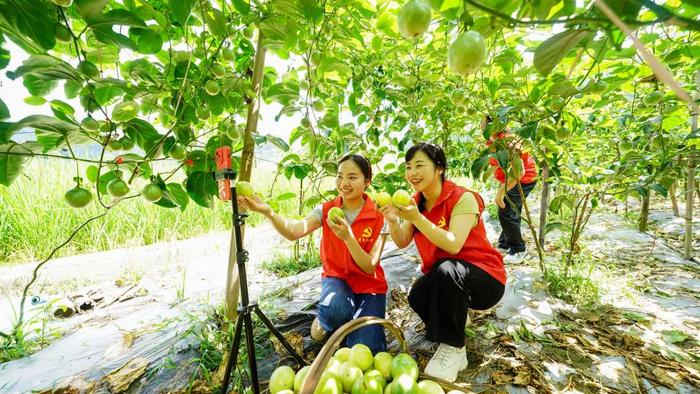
(78, 158)
(38, 266)
(665, 16)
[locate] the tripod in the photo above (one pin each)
(246, 307)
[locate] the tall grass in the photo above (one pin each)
(34, 217)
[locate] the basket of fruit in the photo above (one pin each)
(355, 370)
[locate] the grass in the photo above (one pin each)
(33, 335)
(214, 333)
(34, 218)
(284, 265)
(580, 286)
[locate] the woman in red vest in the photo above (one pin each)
(353, 282)
(511, 242)
(461, 269)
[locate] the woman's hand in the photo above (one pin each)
(409, 213)
(389, 213)
(255, 204)
(340, 229)
(500, 197)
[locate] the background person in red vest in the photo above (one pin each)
(511, 242)
(353, 282)
(461, 269)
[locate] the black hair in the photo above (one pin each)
(361, 162)
(434, 153)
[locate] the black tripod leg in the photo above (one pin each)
(279, 335)
(252, 362)
(232, 354)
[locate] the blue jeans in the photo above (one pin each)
(339, 305)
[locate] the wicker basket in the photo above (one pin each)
(333, 344)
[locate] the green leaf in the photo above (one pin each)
(201, 187)
(332, 68)
(4, 111)
(46, 123)
(293, 157)
(285, 196)
(300, 171)
(626, 9)
(88, 8)
(479, 165)
(450, 8)
(569, 8)
(167, 201)
(6, 132)
(30, 23)
(551, 226)
(72, 89)
(283, 93)
(242, 6)
(181, 10)
(35, 100)
(674, 336)
(558, 201)
(311, 10)
(562, 88)
(4, 57)
(636, 316)
(45, 67)
(103, 54)
(142, 133)
(660, 189)
(550, 52)
(386, 23)
(102, 26)
(106, 92)
(274, 29)
(278, 142)
(104, 180)
(119, 17)
(179, 195)
(107, 36)
(11, 166)
(38, 86)
(183, 133)
(217, 22)
(62, 110)
(144, 71)
(147, 41)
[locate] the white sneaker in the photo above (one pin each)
(317, 332)
(515, 258)
(502, 250)
(447, 362)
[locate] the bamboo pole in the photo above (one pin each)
(690, 185)
(544, 202)
(245, 170)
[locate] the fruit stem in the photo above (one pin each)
(77, 166)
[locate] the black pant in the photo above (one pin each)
(510, 237)
(443, 296)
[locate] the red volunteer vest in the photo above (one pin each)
(336, 258)
(530, 169)
(476, 250)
